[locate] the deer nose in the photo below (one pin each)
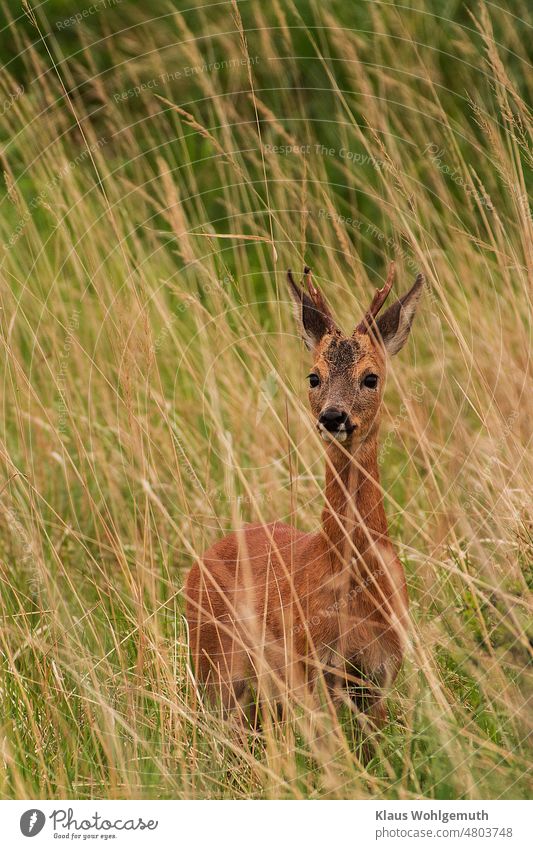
(333, 418)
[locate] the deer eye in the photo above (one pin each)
(314, 380)
(370, 381)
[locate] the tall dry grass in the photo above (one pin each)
(163, 166)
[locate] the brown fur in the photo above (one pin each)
(273, 610)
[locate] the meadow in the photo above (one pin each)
(163, 164)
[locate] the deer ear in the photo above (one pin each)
(312, 314)
(394, 325)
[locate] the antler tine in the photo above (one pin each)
(378, 300)
(316, 295)
(311, 288)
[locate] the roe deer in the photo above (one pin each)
(272, 609)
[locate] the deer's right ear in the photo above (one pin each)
(311, 311)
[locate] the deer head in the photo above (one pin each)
(348, 374)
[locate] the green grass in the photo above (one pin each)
(135, 335)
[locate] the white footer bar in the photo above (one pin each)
(272, 825)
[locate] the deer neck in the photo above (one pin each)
(354, 515)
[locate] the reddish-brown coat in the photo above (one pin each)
(272, 609)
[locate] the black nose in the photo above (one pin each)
(333, 418)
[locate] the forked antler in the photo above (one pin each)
(314, 293)
(377, 302)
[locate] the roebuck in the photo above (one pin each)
(273, 610)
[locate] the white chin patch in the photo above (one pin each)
(328, 436)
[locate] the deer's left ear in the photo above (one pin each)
(395, 323)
